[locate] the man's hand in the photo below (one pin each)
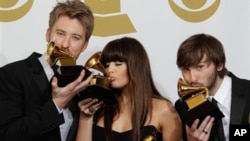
(201, 133)
(62, 95)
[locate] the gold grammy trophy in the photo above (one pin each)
(99, 85)
(196, 104)
(66, 71)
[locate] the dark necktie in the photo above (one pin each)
(218, 127)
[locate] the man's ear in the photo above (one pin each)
(48, 38)
(85, 45)
(220, 67)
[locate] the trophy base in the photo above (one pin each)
(201, 111)
(67, 74)
(100, 93)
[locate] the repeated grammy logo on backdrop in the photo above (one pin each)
(196, 12)
(108, 18)
(9, 13)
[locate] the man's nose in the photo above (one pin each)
(65, 43)
(191, 77)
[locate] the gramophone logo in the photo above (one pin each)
(10, 12)
(195, 10)
(108, 18)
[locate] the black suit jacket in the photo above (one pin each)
(26, 107)
(240, 103)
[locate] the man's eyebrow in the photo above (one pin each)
(60, 30)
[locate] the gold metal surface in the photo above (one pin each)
(61, 58)
(58, 56)
(193, 96)
(151, 137)
(94, 63)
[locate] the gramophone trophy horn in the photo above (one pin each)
(99, 85)
(194, 103)
(100, 80)
(66, 71)
(58, 56)
(193, 96)
(64, 65)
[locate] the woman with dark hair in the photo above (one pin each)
(141, 112)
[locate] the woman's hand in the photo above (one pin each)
(89, 106)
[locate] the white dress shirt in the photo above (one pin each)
(68, 118)
(223, 97)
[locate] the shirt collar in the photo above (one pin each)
(48, 70)
(224, 90)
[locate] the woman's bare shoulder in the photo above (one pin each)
(162, 105)
(165, 117)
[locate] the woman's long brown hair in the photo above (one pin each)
(141, 86)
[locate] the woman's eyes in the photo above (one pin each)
(117, 63)
(107, 65)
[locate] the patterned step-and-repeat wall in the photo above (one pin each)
(161, 25)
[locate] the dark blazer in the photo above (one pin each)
(26, 107)
(240, 103)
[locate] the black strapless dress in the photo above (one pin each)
(149, 133)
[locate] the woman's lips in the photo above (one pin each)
(111, 79)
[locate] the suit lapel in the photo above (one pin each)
(75, 113)
(238, 101)
(39, 75)
(42, 82)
